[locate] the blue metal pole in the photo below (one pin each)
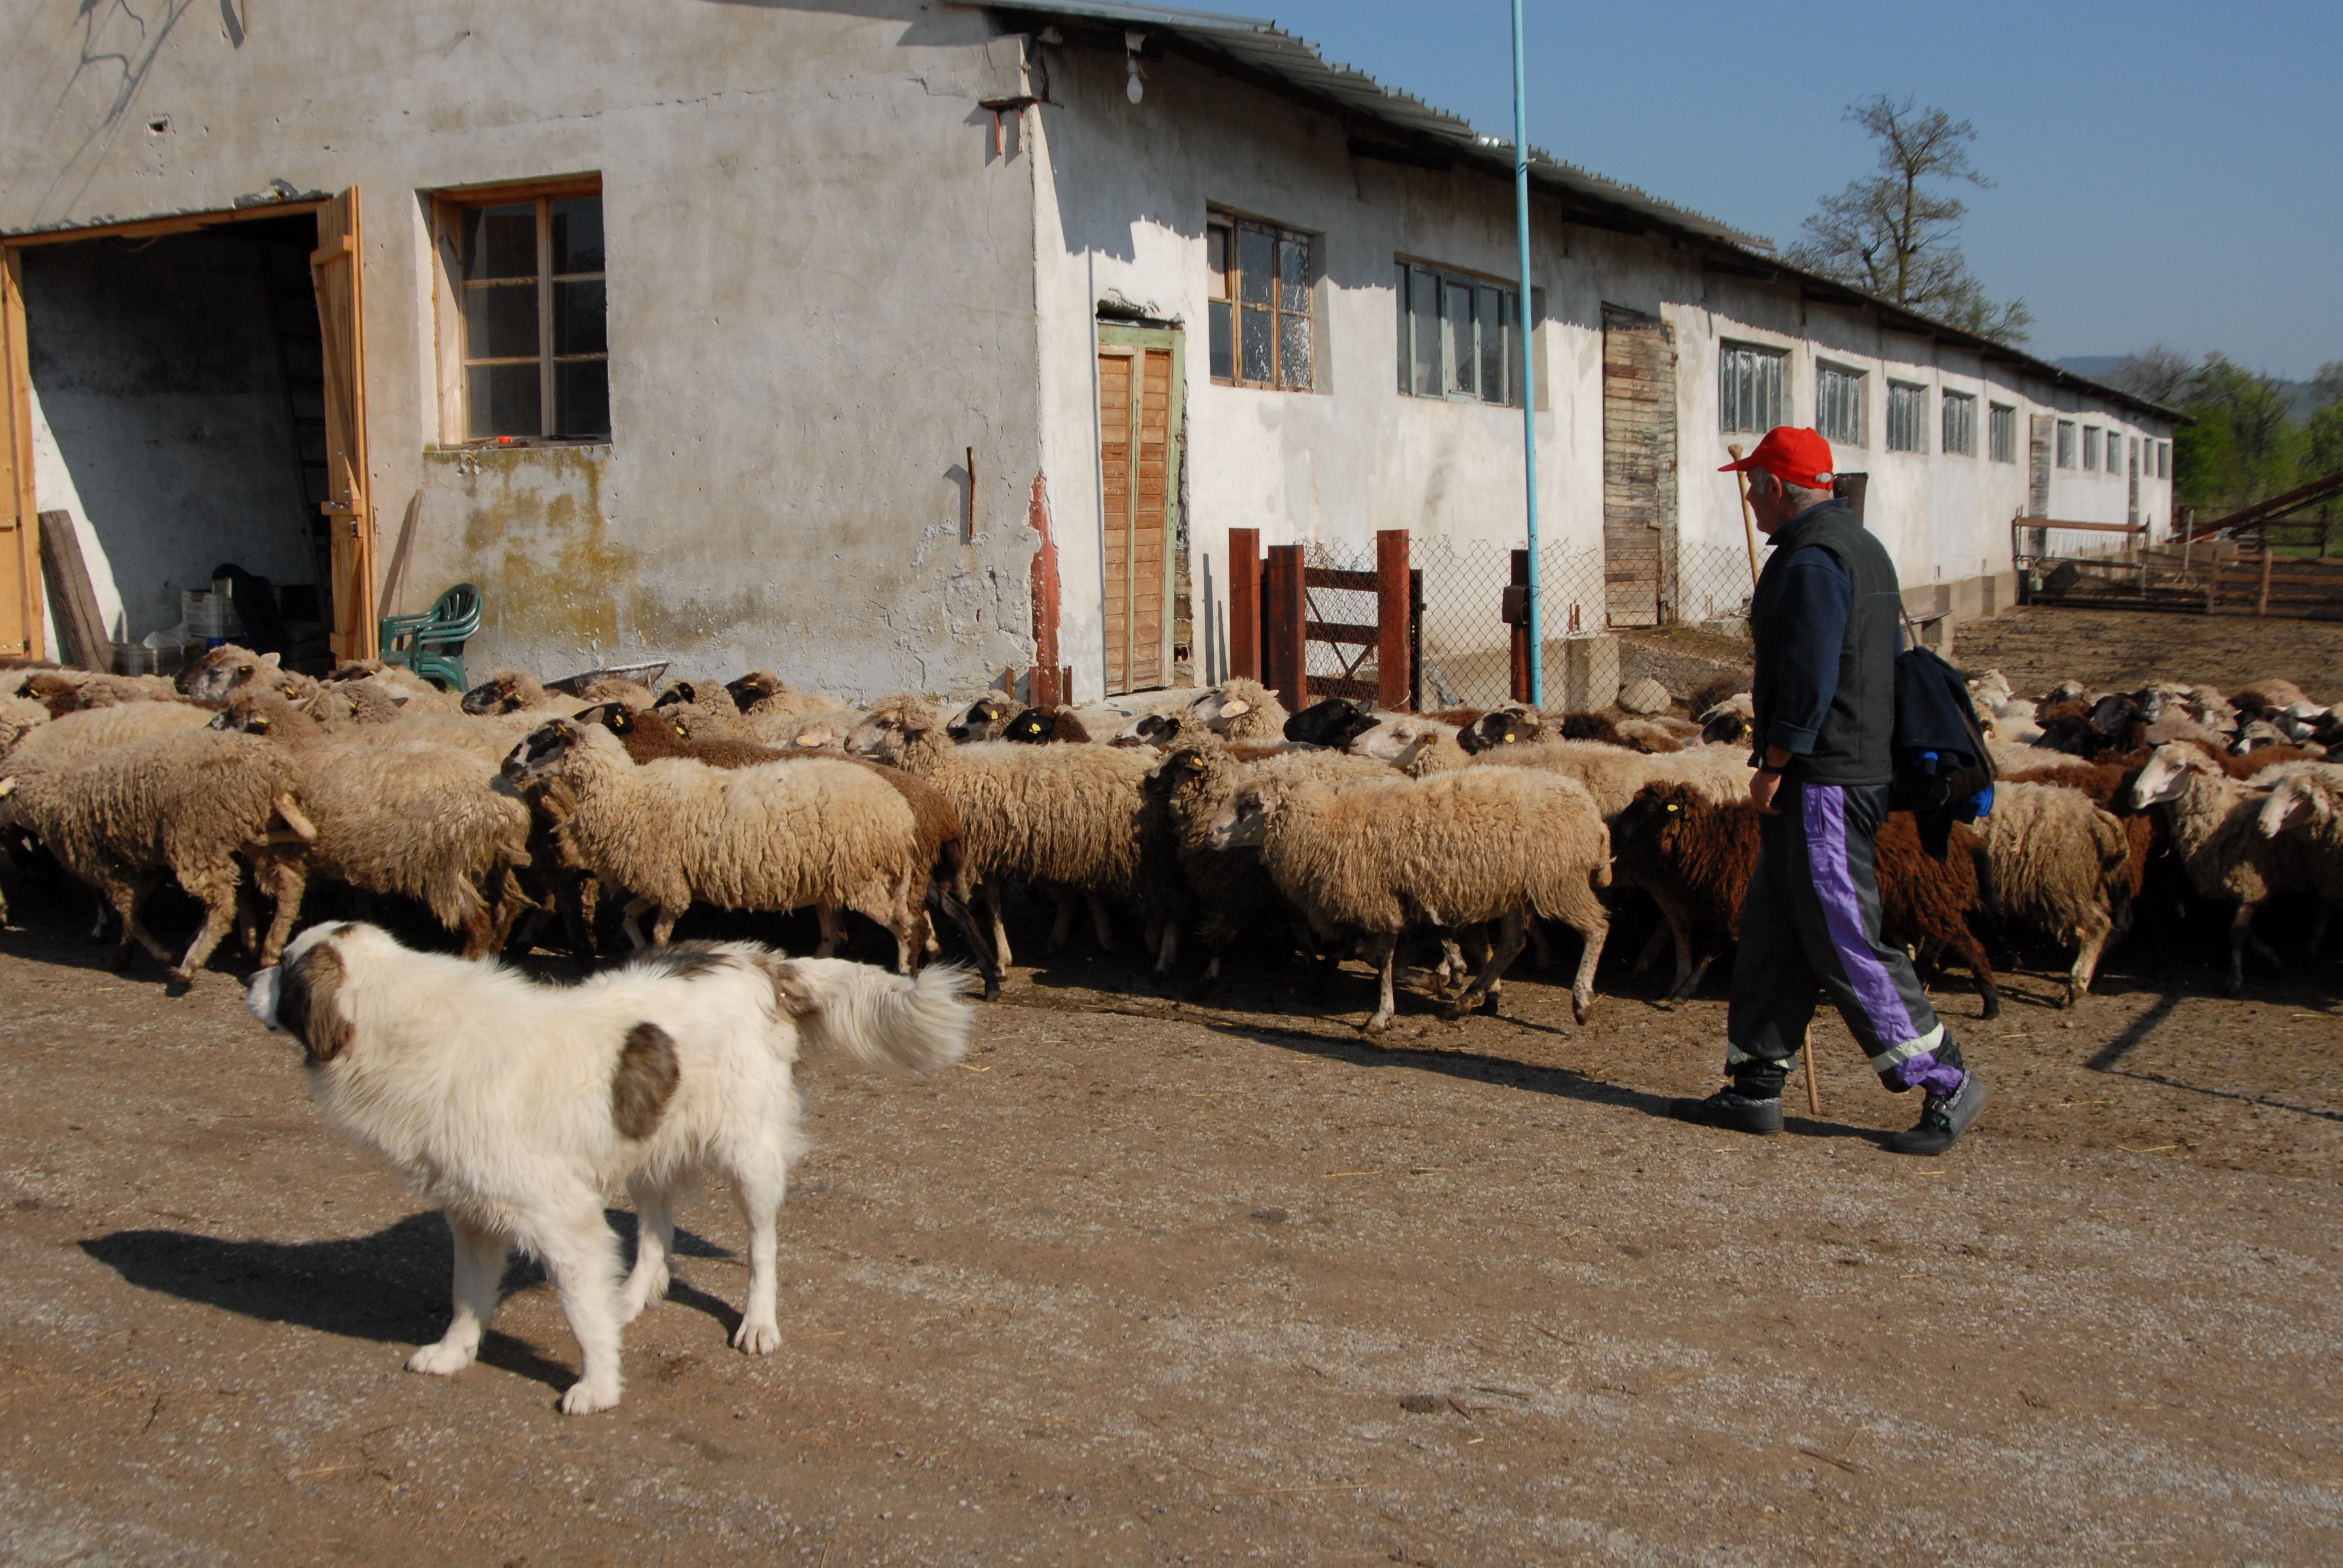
(1529, 360)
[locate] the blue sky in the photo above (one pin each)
(2163, 173)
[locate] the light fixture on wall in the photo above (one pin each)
(1132, 43)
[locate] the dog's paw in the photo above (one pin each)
(441, 1360)
(757, 1339)
(640, 1297)
(585, 1399)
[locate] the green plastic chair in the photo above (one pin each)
(432, 643)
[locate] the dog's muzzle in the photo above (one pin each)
(260, 997)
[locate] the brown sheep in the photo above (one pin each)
(1703, 852)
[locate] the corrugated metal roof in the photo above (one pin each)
(1260, 46)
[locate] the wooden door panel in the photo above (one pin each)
(20, 541)
(1639, 467)
(1138, 424)
(335, 269)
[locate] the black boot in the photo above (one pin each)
(1732, 1109)
(1944, 1118)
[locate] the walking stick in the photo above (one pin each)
(1814, 1096)
(1748, 523)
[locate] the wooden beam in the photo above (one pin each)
(1284, 631)
(80, 627)
(1395, 678)
(143, 228)
(1244, 603)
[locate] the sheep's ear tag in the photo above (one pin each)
(621, 721)
(682, 730)
(1672, 806)
(1230, 709)
(1507, 737)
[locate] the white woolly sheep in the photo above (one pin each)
(2305, 813)
(1458, 849)
(1239, 709)
(2058, 867)
(2214, 821)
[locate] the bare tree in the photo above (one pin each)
(1893, 234)
(2326, 387)
(2160, 375)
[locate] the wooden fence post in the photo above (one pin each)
(1283, 626)
(1244, 603)
(2270, 558)
(1521, 626)
(1394, 667)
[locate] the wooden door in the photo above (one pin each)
(1139, 455)
(1639, 467)
(333, 268)
(20, 536)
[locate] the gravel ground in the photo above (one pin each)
(2038, 646)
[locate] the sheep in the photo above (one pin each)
(2106, 785)
(2214, 821)
(2060, 865)
(1732, 722)
(1046, 727)
(1650, 736)
(779, 836)
(1076, 817)
(515, 692)
(2262, 697)
(983, 719)
(65, 691)
(1461, 849)
(1612, 774)
(1587, 727)
(64, 741)
(18, 716)
(650, 736)
(761, 693)
(186, 804)
(1239, 709)
(710, 709)
(417, 818)
(1719, 690)
(1694, 854)
(1159, 730)
(1193, 782)
(2305, 810)
(1331, 721)
(822, 730)
(216, 671)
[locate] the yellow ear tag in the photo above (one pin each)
(1230, 709)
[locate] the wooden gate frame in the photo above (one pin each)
(1269, 630)
(355, 635)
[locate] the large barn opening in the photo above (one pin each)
(179, 379)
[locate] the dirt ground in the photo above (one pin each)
(2039, 645)
(1152, 1279)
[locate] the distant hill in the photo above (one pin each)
(2301, 398)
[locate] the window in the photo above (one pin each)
(2003, 422)
(2091, 449)
(1458, 338)
(2163, 459)
(524, 338)
(1960, 423)
(2066, 443)
(1749, 388)
(1260, 305)
(1839, 404)
(1907, 418)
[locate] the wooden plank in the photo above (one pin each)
(1518, 664)
(1244, 603)
(1348, 634)
(146, 228)
(337, 269)
(1284, 654)
(2082, 527)
(21, 631)
(1349, 582)
(81, 630)
(1325, 686)
(1394, 677)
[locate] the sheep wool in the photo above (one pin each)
(2059, 867)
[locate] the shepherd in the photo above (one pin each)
(1825, 620)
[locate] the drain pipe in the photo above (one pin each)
(1529, 362)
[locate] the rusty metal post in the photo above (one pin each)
(1244, 603)
(1285, 615)
(1395, 680)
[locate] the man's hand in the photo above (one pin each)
(1765, 785)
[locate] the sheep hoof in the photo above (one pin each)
(1992, 1008)
(1376, 1025)
(1580, 1007)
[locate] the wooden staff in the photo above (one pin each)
(1814, 1096)
(1748, 522)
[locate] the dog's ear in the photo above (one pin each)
(309, 1002)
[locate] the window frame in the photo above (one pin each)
(1914, 397)
(2163, 459)
(1445, 282)
(2065, 449)
(1859, 404)
(447, 209)
(2001, 417)
(2093, 443)
(1224, 290)
(1728, 352)
(1967, 402)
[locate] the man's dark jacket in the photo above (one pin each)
(1852, 745)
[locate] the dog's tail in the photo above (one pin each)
(909, 1024)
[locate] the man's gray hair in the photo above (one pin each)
(1799, 496)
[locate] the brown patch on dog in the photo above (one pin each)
(790, 996)
(644, 1081)
(308, 993)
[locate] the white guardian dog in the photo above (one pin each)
(517, 1106)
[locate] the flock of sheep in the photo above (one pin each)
(520, 814)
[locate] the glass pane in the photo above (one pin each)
(1424, 297)
(500, 242)
(1216, 261)
(1256, 266)
(1516, 358)
(1490, 312)
(581, 398)
(1293, 353)
(500, 320)
(1260, 353)
(578, 234)
(1293, 275)
(504, 400)
(1406, 349)
(577, 318)
(1225, 366)
(1459, 354)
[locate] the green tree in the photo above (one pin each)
(2244, 447)
(1893, 234)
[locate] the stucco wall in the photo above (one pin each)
(821, 296)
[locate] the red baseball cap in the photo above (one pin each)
(1792, 454)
